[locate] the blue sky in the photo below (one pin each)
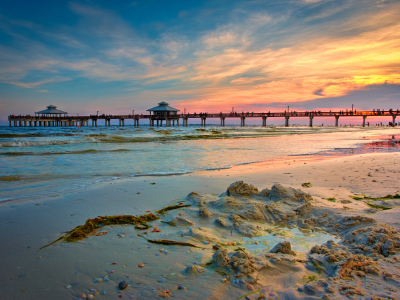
(115, 56)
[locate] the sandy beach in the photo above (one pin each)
(96, 265)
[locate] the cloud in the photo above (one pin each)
(38, 83)
(246, 80)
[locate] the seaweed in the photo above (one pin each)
(169, 242)
(332, 199)
(378, 206)
(306, 184)
(82, 231)
(171, 207)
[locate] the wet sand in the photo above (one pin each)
(65, 270)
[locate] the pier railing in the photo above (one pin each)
(172, 119)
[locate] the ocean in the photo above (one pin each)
(40, 162)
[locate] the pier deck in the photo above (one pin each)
(172, 120)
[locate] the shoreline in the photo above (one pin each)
(383, 144)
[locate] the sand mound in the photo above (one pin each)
(221, 221)
(202, 234)
(378, 240)
(280, 193)
(243, 189)
(249, 229)
(240, 262)
(193, 270)
(204, 212)
(179, 221)
(196, 199)
(284, 248)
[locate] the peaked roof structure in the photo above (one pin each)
(51, 109)
(163, 107)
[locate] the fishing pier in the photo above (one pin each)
(52, 117)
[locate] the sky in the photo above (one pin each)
(202, 56)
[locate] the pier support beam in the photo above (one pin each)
(311, 119)
(364, 117)
(185, 121)
(136, 122)
(242, 121)
(9, 123)
(394, 120)
(264, 121)
(177, 122)
(287, 121)
(336, 121)
(203, 122)
(222, 121)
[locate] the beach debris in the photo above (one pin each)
(162, 250)
(123, 285)
(68, 286)
(170, 242)
(250, 287)
(90, 296)
(162, 280)
(82, 295)
(111, 271)
(206, 242)
(283, 247)
(141, 265)
(306, 184)
(155, 229)
(181, 287)
(243, 189)
(114, 263)
(121, 235)
(171, 207)
(97, 280)
(165, 294)
(204, 212)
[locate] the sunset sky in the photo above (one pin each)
(253, 55)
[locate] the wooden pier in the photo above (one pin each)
(174, 119)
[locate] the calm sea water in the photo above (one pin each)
(37, 162)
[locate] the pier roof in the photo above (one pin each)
(163, 106)
(51, 109)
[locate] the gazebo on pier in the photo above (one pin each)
(51, 111)
(163, 110)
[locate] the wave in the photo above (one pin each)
(36, 143)
(88, 151)
(28, 135)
